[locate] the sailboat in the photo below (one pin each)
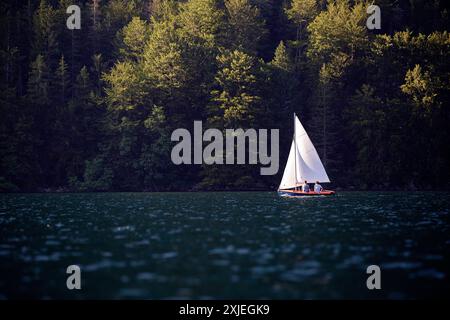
(303, 164)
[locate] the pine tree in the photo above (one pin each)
(201, 23)
(301, 13)
(38, 82)
(419, 85)
(324, 124)
(283, 89)
(201, 35)
(97, 69)
(235, 102)
(124, 91)
(46, 33)
(62, 81)
(164, 68)
(246, 27)
(83, 84)
(155, 160)
(132, 39)
(95, 25)
(159, 10)
(339, 31)
(115, 15)
(37, 126)
(369, 130)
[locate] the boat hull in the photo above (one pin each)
(298, 193)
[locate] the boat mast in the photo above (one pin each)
(295, 156)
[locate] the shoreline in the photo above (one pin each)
(211, 191)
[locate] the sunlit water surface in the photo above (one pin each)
(224, 245)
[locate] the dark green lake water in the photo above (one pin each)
(224, 245)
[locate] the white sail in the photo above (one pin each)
(289, 176)
(303, 163)
(311, 168)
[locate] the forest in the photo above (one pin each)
(93, 109)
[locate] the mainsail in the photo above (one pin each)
(303, 162)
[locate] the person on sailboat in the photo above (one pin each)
(305, 187)
(317, 187)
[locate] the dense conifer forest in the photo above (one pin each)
(93, 109)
